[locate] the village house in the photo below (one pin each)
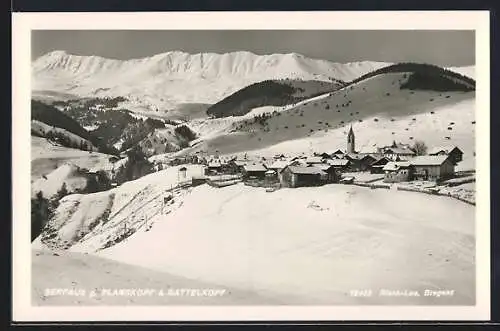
(299, 162)
(433, 167)
(377, 167)
(325, 156)
(314, 160)
(271, 177)
(224, 164)
(332, 174)
(279, 157)
(370, 150)
(213, 167)
(236, 166)
(340, 165)
(337, 154)
(297, 176)
(397, 153)
(396, 172)
(278, 165)
(300, 157)
(456, 155)
(254, 170)
(360, 162)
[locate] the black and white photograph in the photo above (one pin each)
(253, 167)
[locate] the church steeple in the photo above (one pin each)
(351, 141)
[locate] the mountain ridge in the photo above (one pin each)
(166, 80)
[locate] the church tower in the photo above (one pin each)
(350, 141)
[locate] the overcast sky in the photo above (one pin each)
(444, 48)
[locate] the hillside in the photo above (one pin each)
(107, 217)
(282, 247)
(72, 177)
(167, 81)
(51, 123)
(46, 156)
(382, 107)
(116, 127)
(270, 93)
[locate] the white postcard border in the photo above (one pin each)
(23, 23)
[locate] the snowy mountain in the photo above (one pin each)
(167, 80)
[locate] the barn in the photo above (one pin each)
(332, 174)
(433, 167)
(377, 167)
(339, 164)
(297, 176)
(256, 170)
(360, 162)
(456, 155)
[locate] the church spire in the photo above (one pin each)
(351, 141)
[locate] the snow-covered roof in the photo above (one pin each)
(240, 163)
(322, 166)
(438, 149)
(394, 166)
(424, 160)
(338, 162)
(299, 162)
(368, 150)
(306, 170)
(214, 164)
(254, 167)
(338, 151)
(314, 159)
(279, 164)
(270, 172)
(397, 150)
(358, 156)
(380, 160)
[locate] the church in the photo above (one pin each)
(351, 145)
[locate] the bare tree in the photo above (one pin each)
(419, 147)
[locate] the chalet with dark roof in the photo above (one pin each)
(297, 176)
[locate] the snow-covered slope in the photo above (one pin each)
(377, 108)
(166, 80)
(67, 174)
(44, 130)
(359, 238)
(353, 238)
(100, 219)
(46, 156)
(469, 71)
(82, 274)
